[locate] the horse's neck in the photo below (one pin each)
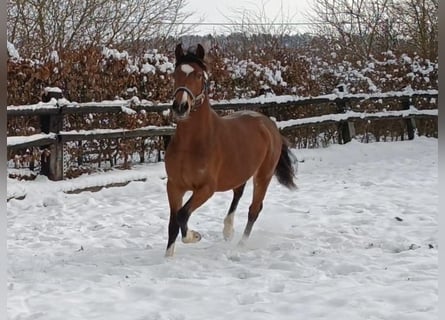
(199, 126)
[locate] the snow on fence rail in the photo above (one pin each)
(52, 114)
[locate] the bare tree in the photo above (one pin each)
(357, 27)
(254, 23)
(255, 19)
(39, 26)
(419, 25)
(363, 27)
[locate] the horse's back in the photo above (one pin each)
(250, 123)
(244, 113)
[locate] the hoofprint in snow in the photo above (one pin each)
(357, 240)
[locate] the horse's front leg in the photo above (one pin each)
(198, 197)
(175, 196)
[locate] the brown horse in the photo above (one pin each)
(210, 153)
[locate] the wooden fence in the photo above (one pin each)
(343, 113)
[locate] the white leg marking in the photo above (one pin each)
(170, 251)
(228, 227)
(191, 237)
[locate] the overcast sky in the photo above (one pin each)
(215, 11)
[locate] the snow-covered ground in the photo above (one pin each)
(357, 240)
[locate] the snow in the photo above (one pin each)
(110, 53)
(104, 104)
(166, 67)
(157, 61)
(52, 104)
(54, 56)
(52, 89)
(357, 240)
(16, 140)
(12, 51)
(108, 131)
(148, 68)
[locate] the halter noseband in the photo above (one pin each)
(199, 99)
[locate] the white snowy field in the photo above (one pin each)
(357, 240)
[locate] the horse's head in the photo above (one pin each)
(190, 78)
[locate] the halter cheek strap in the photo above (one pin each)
(199, 99)
(196, 101)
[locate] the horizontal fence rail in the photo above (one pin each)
(353, 116)
(53, 136)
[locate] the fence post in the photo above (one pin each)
(410, 122)
(346, 129)
(166, 140)
(52, 157)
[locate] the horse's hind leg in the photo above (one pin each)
(259, 192)
(228, 220)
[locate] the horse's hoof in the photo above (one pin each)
(192, 237)
(242, 242)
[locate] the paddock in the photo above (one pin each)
(358, 239)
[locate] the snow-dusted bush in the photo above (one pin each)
(104, 74)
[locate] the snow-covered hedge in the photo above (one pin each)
(104, 74)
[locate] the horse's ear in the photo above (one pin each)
(200, 52)
(179, 52)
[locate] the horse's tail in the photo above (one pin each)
(285, 171)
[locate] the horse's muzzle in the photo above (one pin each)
(180, 109)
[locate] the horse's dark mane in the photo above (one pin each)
(191, 58)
